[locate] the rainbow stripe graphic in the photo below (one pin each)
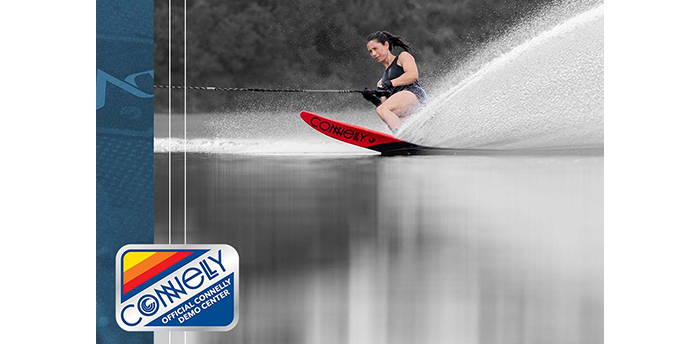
(142, 268)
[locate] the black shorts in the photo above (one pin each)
(415, 89)
(419, 92)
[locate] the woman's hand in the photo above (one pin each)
(372, 97)
(385, 85)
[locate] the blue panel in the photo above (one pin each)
(124, 147)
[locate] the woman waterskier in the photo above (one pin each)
(398, 93)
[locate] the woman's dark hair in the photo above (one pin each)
(394, 41)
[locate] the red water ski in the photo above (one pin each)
(359, 136)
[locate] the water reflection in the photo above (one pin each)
(472, 249)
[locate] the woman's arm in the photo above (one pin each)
(410, 69)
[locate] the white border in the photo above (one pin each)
(48, 170)
(652, 171)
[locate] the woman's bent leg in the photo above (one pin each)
(397, 106)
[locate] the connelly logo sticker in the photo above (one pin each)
(177, 287)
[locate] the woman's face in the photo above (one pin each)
(378, 51)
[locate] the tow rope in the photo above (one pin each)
(236, 89)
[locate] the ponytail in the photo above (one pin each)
(394, 41)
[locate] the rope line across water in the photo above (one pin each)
(236, 89)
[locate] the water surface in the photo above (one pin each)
(370, 249)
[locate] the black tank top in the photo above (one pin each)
(394, 71)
